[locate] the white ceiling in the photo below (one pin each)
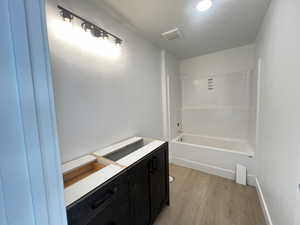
(228, 24)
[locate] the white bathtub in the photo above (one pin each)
(218, 144)
(216, 156)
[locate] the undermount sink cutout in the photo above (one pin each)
(120, 153)
(122, 149)
(81, 172)
(76, 170)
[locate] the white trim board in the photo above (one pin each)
(257, 122)
(210, 169)
(263, 203)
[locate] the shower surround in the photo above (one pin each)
(216, 105)
(218, 113)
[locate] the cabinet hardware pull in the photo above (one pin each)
(105, 198)
(153, 164)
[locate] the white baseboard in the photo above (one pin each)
(210, 169)
(263, 203)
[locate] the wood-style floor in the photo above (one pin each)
(201, 199)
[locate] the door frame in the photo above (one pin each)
(297, 217)
(29, 40)
(165, 94)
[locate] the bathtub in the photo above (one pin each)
(217, 156)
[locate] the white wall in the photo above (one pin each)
(224, 111)
(98, 100)
(174, 84)
(279, 130)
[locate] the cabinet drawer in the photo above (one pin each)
(113, 193)
(116, 214)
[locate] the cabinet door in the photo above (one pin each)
(139, 194)
(158, 185)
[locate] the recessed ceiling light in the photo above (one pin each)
(204, 5)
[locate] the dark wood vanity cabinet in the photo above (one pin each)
(140, 193)
(159, 181)
(134, 197)
(149, 186)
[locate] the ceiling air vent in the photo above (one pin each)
(172, 34)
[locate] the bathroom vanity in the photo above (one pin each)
(124, 184)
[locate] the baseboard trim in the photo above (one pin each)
(210, 169)
(263, 203)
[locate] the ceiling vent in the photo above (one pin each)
(172, 34)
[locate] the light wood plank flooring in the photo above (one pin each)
(201, 199)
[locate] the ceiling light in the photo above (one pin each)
(204, 5)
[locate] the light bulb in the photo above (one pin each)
(204, 5)
(62, 29)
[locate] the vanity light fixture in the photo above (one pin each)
(105, 36)
(204, 5)
(67, 16)
(87, 26)
(118, 42)
(96, 32)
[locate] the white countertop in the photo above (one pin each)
(140, 153)
(84, 186)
